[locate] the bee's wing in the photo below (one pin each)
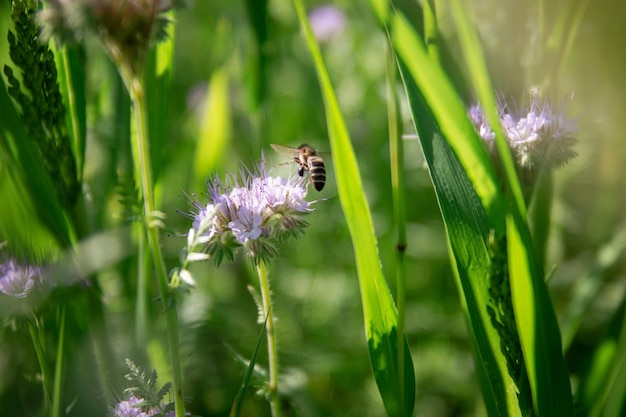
(284, 148)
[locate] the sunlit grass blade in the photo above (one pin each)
(534, 314)
(378, 309)
(469, 197)
(537, 326)
(215, 131)
(396, 157)
(467, 227)
(484, 91)
(451, 117)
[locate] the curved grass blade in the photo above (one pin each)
(467, 227)
(536, 321)
(378, 309)
(467, 190)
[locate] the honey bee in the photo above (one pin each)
(308, 159)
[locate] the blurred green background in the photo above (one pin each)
(266, 81)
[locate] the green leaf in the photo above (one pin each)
(378, 308)
(235, 411)
(72, 87)
(158, 76)
(256, 66)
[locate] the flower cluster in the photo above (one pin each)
(537, 136)
(17, 280)
(136, 407)
(255, 211)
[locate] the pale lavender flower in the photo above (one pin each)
(326, 22)
(253, 210)
(538, 136)
(18, 280)
(136, 407)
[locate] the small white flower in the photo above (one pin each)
(186, 276)
(247, 225)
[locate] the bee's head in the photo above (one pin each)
(307, 150)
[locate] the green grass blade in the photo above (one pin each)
(616, 398)
(451, 117)
(378, 309)
(534, 314)
(538, 328)
(59, 368)
(477, 69)
(158, 76)
(235, 411)
(467, 226)
(256, 65)
(215, 132)
(72, 87)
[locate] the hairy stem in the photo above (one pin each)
(272, 354)
(143, 168)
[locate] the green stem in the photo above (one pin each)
(38, 344)
(272, 354)
(141, 154)
(141, 308)
(396, 150)
(58, 370)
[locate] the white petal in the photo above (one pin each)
(185, 275)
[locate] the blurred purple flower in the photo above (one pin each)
(18, 280)
(327, 22)
(135, 407)
(536, 135)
